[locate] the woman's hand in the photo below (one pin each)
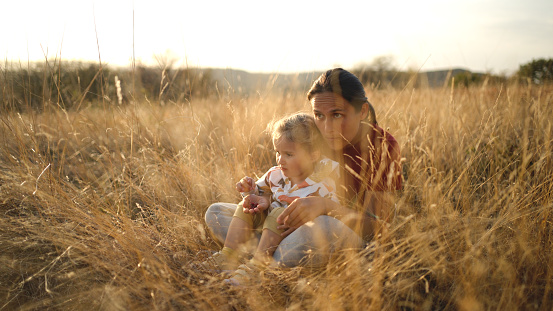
(245, 184)
(300, 211)
(255, 203)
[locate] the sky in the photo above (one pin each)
(283, 36)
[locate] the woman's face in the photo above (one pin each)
(337, 119)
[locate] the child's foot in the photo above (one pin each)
(220, 262)
(246, 273)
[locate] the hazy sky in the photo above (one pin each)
(283, 36)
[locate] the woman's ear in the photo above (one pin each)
(364, 111)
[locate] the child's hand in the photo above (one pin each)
(245, 184)
(255, 204)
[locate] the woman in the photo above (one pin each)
(369, 158)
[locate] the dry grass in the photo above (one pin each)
(102, 208)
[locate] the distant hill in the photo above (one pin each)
(438, 78)
(243, 82)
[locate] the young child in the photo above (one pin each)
(301, 172)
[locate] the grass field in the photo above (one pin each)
(102, 207)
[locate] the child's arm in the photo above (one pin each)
(247, 185)
(259, 197)
(256, 203)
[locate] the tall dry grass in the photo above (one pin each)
(102, 208)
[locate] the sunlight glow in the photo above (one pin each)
(291, 36)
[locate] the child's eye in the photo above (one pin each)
(289, 154)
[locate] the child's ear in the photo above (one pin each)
(315, 155)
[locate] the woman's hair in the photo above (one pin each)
(299, 128)
(344, 83)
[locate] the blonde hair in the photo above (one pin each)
(298, 128)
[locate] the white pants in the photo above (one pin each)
(310, 245)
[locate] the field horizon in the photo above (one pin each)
(103, 202)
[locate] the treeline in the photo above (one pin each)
(73, 84)
(379, 79)
(538, 71)
(381, 74)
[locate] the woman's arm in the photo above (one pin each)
(369, 223)
(377, 213)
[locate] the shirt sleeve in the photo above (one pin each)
(264, 182)
(328, 172)
(330, 186)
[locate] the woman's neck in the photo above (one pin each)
(364, 129)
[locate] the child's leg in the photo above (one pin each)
(241, 228)
(267, 246)
(239, 232)
(270, 238)
(263, 256)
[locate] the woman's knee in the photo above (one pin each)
(327, 222)
(306, 246)
(217, 218)
(292, 254)
(216, 211)
(312, 243)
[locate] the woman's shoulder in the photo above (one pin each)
(382, 134)
(382, 137)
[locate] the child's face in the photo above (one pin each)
(295, 161)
